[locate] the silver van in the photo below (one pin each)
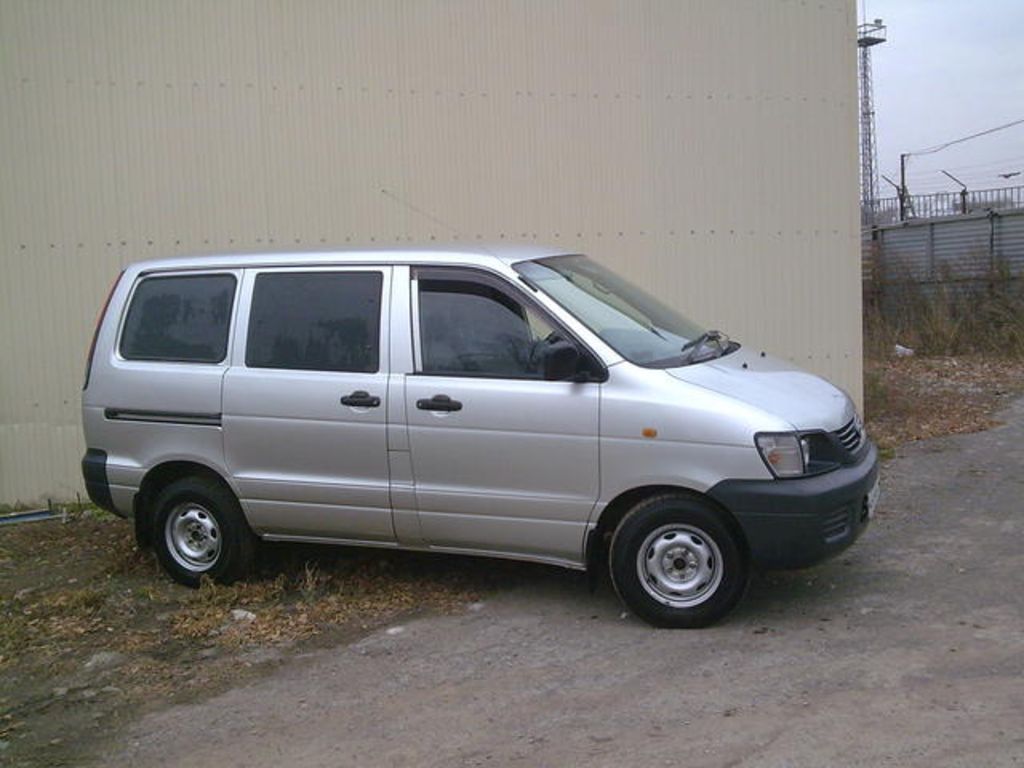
(529, 405)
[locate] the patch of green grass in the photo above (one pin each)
(9, 509)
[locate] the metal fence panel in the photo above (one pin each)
(961, 250)
(952, 255)
(903, 255)
(1009, 243)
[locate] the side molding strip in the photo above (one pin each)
(164, 417)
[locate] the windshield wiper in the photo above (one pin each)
(691, 348)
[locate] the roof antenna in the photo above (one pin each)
(420, 211)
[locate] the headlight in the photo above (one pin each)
(786, 454)
(794, 454)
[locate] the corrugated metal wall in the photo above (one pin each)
(707, 148)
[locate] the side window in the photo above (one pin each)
(469, 327)
(315, 321)
(181, 318)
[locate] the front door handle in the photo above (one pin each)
(361, 399)
(439, 403)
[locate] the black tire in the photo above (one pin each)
(199, 511)
(694, 569)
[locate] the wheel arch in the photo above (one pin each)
(159, 477)
(599, 538)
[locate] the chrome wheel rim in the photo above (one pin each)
(679, 565)
(193, 537)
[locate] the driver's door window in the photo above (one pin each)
(470, 328)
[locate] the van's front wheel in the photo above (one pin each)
(676, 563)
(199, 530)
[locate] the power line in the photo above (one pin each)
(938, 181)
(975, 171)
(993, 165)
(986, 132)
(973, 184)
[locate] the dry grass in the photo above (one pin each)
(944, 322)
(120, 599)
(72, 589)
(968, 358)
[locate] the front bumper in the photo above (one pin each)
(798, 522)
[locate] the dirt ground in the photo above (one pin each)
(104, 660)
(915, 398)
(92, 634)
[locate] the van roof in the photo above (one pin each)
(480, 255)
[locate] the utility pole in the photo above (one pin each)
(868, 36)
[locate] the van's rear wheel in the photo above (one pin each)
(199, 530)
(676, 563)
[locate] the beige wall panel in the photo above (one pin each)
(706, 148)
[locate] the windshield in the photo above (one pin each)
(630, 321)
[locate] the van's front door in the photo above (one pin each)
(503, 461)
(304, 403)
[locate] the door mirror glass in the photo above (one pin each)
(561, 360)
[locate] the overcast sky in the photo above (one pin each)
(950, 68)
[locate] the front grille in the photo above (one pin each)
(851, 435)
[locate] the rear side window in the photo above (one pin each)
(181, 318)
(316, 321)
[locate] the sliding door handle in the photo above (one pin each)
(439, 403)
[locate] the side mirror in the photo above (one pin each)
(561, 361)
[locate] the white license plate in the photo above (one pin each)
(872, 501)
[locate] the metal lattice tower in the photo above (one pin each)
(868, 36)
